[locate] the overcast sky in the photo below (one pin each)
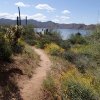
(60, 11)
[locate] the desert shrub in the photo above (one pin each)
(69, 55)
(18, 48)
(94, 50)
(55, 37)
(76, 86)
(87, 55)
(13, 34)
(48, 38)
(96, 34)
(84, 61)
(29, 34)
(81, 61)
(42, 43)
(49, 87)
(79, 48)
(3, 29)
(49, 84)
(5, 49)
(77, 91)
(96, 83)
(54, 49)
(65, 44)
(77, 39)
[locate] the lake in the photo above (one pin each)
(65, 33)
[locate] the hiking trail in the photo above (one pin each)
(32, 89)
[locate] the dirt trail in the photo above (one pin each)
(32, 89)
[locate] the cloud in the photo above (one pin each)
(61, 19)
(64, 17)
(21, 4)
(37, 16)
(66, 12)
(56, 20)
(45, 7)
(8, 16)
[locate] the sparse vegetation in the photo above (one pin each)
(76, 77)
(75, 70)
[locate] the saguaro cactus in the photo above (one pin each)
(17, 21)
(19, 16)
(16, 30)
(26, 20)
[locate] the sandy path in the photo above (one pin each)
(31, 90)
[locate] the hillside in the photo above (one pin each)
(48, 24)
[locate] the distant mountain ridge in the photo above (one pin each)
(48, 24)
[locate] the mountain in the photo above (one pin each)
(48, 24)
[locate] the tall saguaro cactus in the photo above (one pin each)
(16, 30)
(26, 20)
(17, 21)
(19, 16)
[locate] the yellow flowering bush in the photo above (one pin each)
(53, 49)
(74, 75)
(77, 86)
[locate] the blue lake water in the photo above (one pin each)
(65, 33)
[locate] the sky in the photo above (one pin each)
(59, 11)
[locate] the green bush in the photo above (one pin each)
(18, 48)
(69, 55)
(29, 35)
(48, 38)
(5, 49)
(65, 44)
(77, 39)
(76, 91)
(49, 87)
(3, 29)
(42, 43)
(30, 41)
(49, 84)
(55, 37)
(84, 61)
